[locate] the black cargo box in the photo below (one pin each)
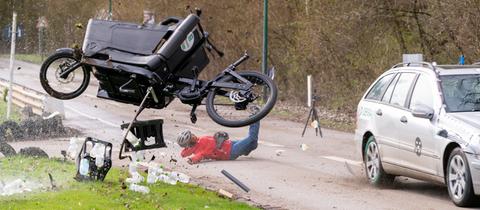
(130, 37)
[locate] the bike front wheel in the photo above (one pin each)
(67, 86)
(236, 108)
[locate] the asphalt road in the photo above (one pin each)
(328, 175)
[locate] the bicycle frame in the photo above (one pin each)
(218, 81)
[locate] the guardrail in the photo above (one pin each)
(41, 103)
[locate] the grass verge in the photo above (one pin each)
(31, 58)
(100, 195)
(15, 114)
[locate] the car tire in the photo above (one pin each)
(459, 180)
(373, 165)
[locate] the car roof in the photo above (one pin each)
(432, 69)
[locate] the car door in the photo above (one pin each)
(419, 133)
(371, 117)
(393, 110)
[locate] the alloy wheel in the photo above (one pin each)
(456, 177)
(373, 161)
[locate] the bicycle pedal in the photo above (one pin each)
(193, 118)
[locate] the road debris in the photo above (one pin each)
(279, 152)
(304, 147)
(236, 181)
(225, 193)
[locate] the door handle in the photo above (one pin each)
(403, 119)
(379, 112)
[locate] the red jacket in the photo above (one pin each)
(205, 149)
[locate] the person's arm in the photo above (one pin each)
(196, 158)
(187, 151)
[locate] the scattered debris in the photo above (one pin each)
(33, 152)
(279, 152)
(74, 147)
(135, 176)
(64, 154)
(52, 182)
(225, 193)
(236, 181)
(51, 115)
(139, 188)
(304, 147)
(94, 160)
(17, 186)
(155, 174)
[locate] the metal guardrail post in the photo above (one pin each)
(12, 59)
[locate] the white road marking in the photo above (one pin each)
(343, 160)
(93, 118)
(103, 100)
(270, 144)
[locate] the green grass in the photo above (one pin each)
(31, 58)
(15, 114)
(100, 195)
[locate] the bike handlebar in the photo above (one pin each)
(241, 60)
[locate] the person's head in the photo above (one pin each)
(186, 139)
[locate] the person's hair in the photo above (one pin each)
(184, 138)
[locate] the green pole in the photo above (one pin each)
(110, 9)
(265, 37)
(265, 44)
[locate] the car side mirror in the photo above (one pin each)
(422, 111)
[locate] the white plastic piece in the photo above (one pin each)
(139, 188)
(84, 167)
(132, 139)
(304, 147)
(74, 147)
(135, 176)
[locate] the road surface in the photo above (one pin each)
(327, 175)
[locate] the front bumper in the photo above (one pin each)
(474, 165)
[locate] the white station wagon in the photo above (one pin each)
(422, 120)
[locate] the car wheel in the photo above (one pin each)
(373, 165)
(459, 180)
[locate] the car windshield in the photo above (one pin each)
(461, 92)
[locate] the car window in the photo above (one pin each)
(461, 92)
(400, 92)
(423, 92)
(378, 89)
(388, 93)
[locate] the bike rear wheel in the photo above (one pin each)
(71, 86)
(232, 108)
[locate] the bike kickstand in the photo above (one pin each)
(140, 109)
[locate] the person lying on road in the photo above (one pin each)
(217, 147)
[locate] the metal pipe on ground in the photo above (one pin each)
(236, 181)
